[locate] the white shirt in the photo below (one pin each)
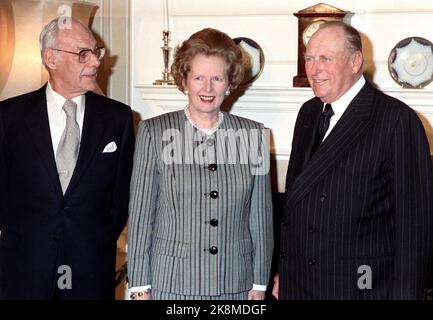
(57, 117)
(340, 105)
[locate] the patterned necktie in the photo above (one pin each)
(323, 126)
(67, 151)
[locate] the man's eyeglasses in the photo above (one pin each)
(85, 54)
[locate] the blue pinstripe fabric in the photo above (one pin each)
(364, 198)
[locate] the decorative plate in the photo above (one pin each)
(253, 59)
(410, 62)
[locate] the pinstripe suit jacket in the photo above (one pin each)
(363, 199)
(175, 219)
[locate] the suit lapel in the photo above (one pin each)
(353, 125)
(38, 125)
(93, 128)
(308, 130)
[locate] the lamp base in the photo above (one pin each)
(162, 82)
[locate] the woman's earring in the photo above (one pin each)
(185, 92)
(227, 92)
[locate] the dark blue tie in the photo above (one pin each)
(323, 126)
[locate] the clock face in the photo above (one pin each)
(310, 29)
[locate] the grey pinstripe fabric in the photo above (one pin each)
(170, 208)
(160, 295)
(67, 151)
(364, 198)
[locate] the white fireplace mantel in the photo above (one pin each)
(272, 106)
(276, 107)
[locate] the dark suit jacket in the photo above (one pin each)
(41, 229)
(363, 199)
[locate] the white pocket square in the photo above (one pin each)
(111, 147)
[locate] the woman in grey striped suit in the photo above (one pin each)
(200, 213)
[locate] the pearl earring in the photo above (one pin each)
(185, 92)
(227, 92)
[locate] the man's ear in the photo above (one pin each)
(50, 58)
(357, 60)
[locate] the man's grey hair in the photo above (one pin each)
(352, 36)
(48, 36)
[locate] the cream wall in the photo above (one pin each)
(272, 99)
(272, 24)
(112, 25)
(20, 27)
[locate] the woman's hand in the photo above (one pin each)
(141, 295)
(256, 295)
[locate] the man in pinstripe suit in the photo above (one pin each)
(200, 212)
(357, 222)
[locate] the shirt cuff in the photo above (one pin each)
(259, 287)
(142, 288)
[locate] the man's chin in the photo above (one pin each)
(318, 90)
(90, 85)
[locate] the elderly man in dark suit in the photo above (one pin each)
(357, 222)
(65, 166)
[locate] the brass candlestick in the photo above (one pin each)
(166, 77)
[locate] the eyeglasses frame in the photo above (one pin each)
(84, 50)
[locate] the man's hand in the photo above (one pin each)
(275, 289)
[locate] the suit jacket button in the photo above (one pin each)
(214, 194)
(214, 222)
(311, 262)
(64, 206)
(212, 167)
(312, 229)
(323, 196)
(213, 250)
(210, 142)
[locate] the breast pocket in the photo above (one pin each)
(108, 149)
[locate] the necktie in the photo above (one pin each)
(67, 151)
(323, 126)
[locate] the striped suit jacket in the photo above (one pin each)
(357, 222)
(200, 209)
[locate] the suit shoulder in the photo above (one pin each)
(109, 104)
(165, 120)
(155, 127)
(241, 122)
(14, 109)
(391, 106)
(18, 102)
(313, 101)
